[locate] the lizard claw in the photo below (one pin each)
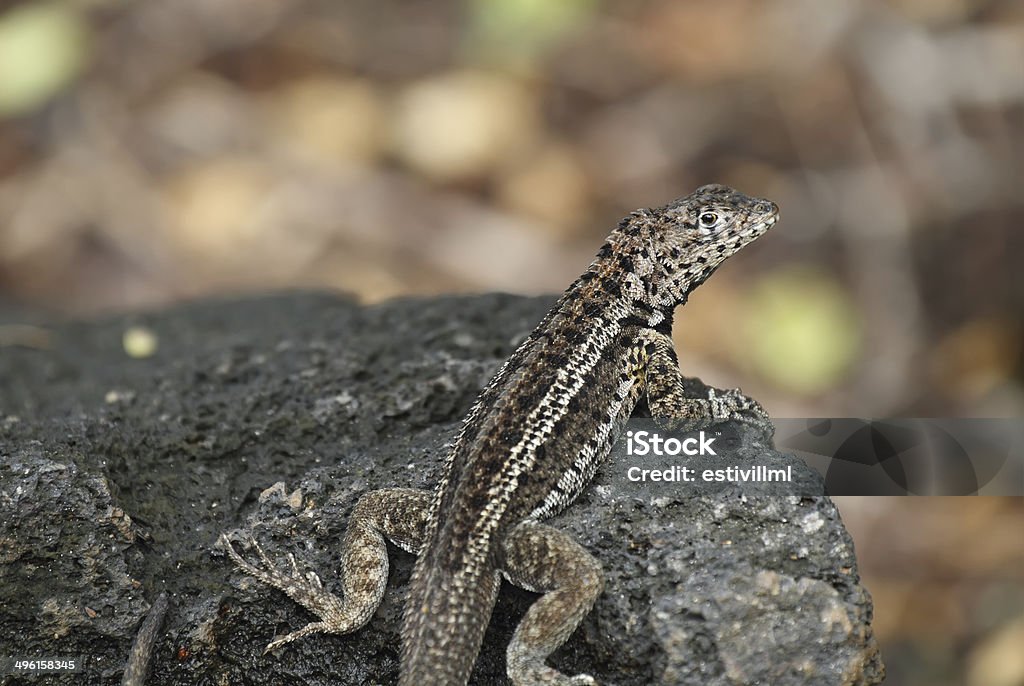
(311, 628)
(546, 676)
(732, 405)
(304, 587)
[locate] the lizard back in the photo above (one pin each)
(544, 423)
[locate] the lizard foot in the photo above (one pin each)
(543, 675)
(732, 405)
(303, 587)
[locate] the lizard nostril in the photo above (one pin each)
(764, 207)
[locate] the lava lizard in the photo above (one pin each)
(528, 447)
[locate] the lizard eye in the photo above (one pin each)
(708, 219)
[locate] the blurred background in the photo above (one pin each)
(154, 151)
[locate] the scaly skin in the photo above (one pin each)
(529, 446)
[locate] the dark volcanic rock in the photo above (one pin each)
(117, 475)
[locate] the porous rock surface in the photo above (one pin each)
(272, 415)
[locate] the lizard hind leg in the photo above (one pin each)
(543, 559)
(399, 514)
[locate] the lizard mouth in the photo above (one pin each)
(762, 226)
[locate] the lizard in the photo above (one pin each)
(528, 447)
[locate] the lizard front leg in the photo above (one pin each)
(545, 560)
(399, 513)
(667, 398)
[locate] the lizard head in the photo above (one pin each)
(677, 247)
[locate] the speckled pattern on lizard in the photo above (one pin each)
(529, 446)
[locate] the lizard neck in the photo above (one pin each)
(625, 290)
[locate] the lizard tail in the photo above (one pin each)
(446, 616)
